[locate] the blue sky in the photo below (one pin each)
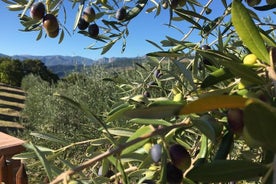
(145, 26)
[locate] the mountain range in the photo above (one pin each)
(63, 65)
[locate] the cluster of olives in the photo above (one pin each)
(86, 20)
(180, 161)
(256, 2)
(50, 22)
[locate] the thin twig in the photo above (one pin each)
(119, 149)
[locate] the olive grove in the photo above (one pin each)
(198, 112)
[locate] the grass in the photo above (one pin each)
(11, 103)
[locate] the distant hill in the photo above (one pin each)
(63, 65)
(58, 59)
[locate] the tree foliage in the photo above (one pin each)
(13, 71)
(176, 98)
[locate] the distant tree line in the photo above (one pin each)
(12, 71)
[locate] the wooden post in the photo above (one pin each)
(3, 170)
(21, 175)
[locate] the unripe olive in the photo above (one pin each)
(253, 2)
(89, 14)
(235, 120)
(50, 23)
(180, 157)
(93, 30)
(37, 11)
(82, 24)
(174, 175)
(156, 152)
(250, 59)
(121, 14)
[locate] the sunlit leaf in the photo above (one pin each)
(247, 31)
(155, 111)
(210, 103)
(48, 137)
(150, 121)
(125, 132)
(139, 133)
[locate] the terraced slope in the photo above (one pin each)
(11, 103)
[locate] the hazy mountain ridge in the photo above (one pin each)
(63, 65)
(57, 60)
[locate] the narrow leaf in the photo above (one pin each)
(260, 121)
(139, 133)
(43, 160)
(213, 102)
(247, 31)
(150, 121)
(226, 171)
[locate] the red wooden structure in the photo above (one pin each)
(11, 171)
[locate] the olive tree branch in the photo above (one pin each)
(118, 150)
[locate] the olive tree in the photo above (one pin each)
(216, 101)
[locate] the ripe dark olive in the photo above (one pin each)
(152, 84)
(53, 34)
(82, 24)
(157, 73)
(121, 14)
(156, 152)
(205, 60)
(37, 11)
(174, 175)
(50, 23)
(253, 2)
(180, 157)
(174, 3)
(235, 120)
(146, 94)
(89, 14)
(93, 30)
(208, 11)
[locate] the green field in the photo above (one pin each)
(11, 103)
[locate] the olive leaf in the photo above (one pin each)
(247, 31)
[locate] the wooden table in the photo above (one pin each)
(10, 146)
